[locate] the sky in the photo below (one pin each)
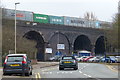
(103, 9)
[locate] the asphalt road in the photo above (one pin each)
(86, 71)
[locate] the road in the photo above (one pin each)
(86, 71)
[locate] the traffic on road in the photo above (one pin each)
(19, 66)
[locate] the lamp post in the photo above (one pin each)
(15, 25)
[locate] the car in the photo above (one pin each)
(17, 64)
(94, 59)
(117, 58)
(81, 58)
(112, 59)
(103, 59)
(68, 62)
(55, 58)
(86, 59)
(109, 59)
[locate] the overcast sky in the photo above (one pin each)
(103, 9)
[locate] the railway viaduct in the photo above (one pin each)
(72, 38)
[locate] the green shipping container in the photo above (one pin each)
(41, 18)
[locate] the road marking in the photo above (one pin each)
(35, 75)
(111, 68)
(85, 74)
(58, 72)
(39, 75)
(89, 76)
(80, 71)
(50, 72)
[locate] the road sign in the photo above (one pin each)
(48, 50)
(60, 46)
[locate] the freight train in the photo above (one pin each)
(50, 19)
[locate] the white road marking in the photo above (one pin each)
(85, 74)
(89, 76)
(58, 72)
(50, 72)
(80, 71)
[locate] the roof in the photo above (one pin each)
(84, 51)
(16, 54)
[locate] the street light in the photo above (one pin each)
(15, 25)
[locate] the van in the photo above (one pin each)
(17, 64)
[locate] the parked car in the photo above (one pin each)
(94, 59)
(86, 59)
(55, 58)
(118, 59)
(68, 62)
(112, 59)
(81, 58)
(17, 64)
(103, 59)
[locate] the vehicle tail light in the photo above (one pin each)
(24, 60)
(6, 60)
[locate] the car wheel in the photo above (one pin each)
(31, 73)
(75, 68)
(4, 74)
(27, 74)
(61, 68)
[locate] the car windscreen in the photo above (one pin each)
(66, 58)
(15, 59)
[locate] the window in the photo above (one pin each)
(15, 59)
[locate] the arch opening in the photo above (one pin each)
(36, 36)
(82, 42)
(100, 46)
(59, 38)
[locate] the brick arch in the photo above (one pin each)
(36, 36)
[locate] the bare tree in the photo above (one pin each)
(90, 16)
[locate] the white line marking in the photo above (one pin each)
(50, 72)
(85, 74)
(80, 71)
(89, 76)
(58, 72)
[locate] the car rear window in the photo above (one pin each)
(15, 59)
(68, 58)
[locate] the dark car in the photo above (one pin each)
(68, 62)
(17, 64)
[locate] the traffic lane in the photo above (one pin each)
(99, 71)
(54, 72)
(85, 71)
